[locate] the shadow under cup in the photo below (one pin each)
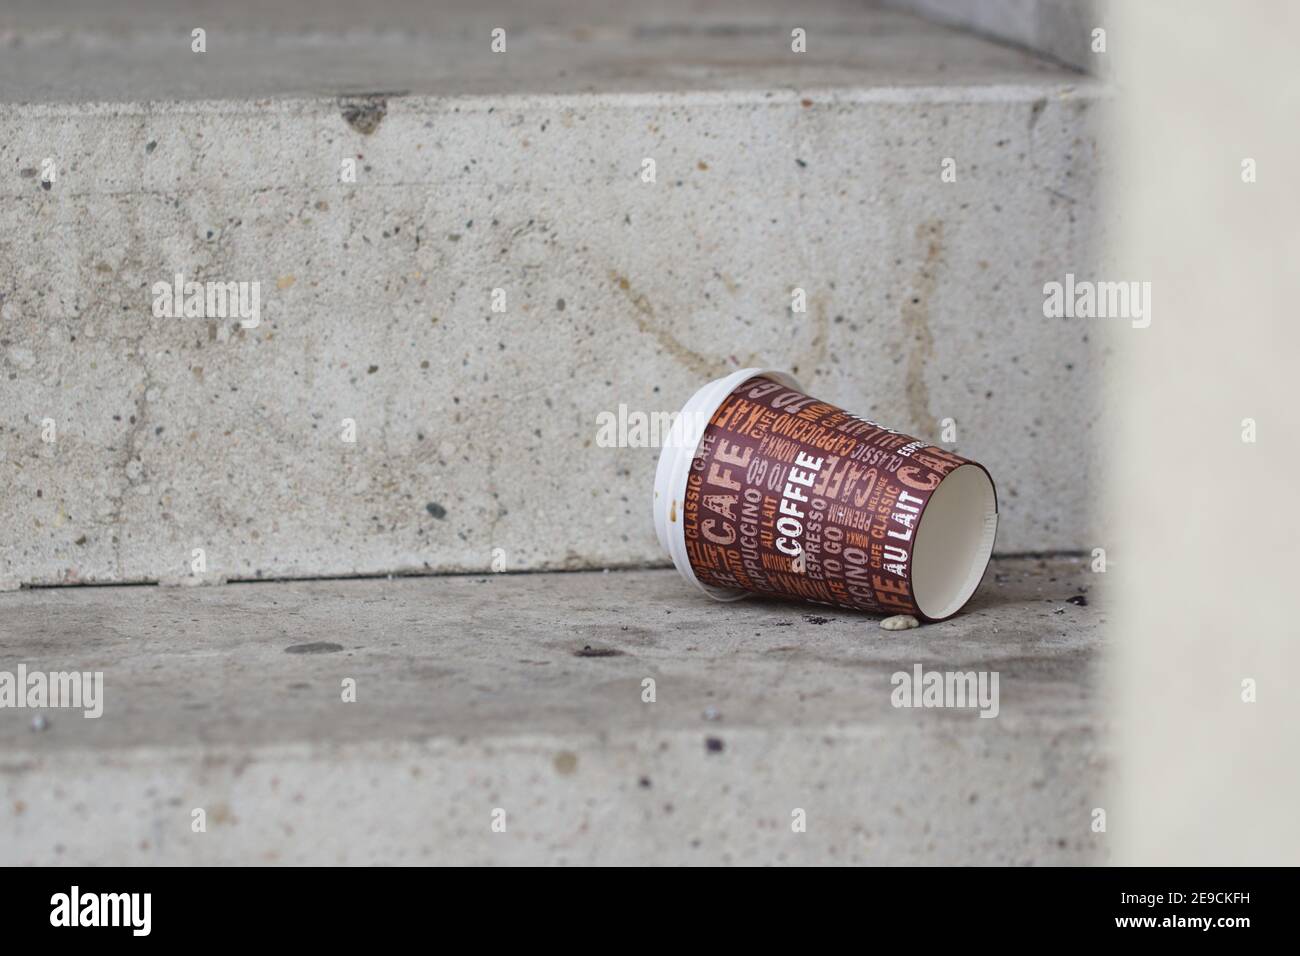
(763, 489)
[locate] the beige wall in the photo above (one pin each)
(1203, 527)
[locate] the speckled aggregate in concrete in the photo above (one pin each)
(475, 430)
(527, 693)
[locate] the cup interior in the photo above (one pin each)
(954, 541)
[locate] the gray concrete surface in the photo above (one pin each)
(475, 430)
(141, 52)
(1059, 29)
(524, 693)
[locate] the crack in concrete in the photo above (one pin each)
(129, 452)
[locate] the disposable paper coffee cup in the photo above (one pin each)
(763, 489)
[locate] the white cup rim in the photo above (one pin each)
(680, 446)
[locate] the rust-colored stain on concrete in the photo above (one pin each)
(647, 322)
(918, 340)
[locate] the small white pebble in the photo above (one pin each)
(899, 622)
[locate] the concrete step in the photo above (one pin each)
(525, 693)
(475, 430)
(1063, 30)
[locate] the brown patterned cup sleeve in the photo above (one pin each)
(791, 496)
